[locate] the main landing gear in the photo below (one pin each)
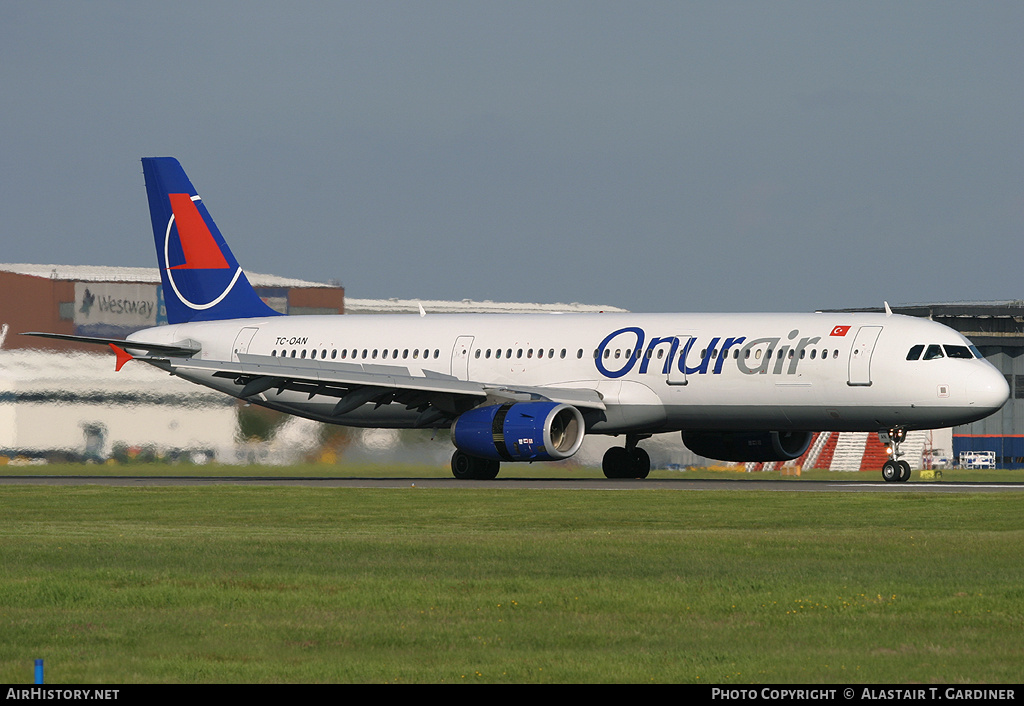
(466, 467)
(629, 461)
(895, 470)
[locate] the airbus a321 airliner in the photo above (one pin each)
(739, 387)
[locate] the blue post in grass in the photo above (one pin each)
(39, 671)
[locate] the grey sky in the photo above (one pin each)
(671, 156)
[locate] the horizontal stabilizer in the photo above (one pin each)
(180, 348)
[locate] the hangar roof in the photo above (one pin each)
(465, 306)
(150, 275)
(147, 275)
(995, 323)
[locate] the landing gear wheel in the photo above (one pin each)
(465, 467)
(489, 469)
(620, 462)
(641, 463)
(904, 471)
(462, 466)
(616, 462)
(891, 471)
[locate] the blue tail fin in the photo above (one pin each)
(202, 281)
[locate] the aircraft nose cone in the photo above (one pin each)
(987, 389)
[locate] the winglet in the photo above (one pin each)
(123, 357)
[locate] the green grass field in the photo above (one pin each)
(251, 584)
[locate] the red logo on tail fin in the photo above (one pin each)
(201, 251)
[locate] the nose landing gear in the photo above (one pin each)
(895, 470)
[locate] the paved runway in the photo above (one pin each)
(693, 484)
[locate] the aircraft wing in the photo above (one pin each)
(354, 384)
(436, 395)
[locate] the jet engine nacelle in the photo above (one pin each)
(520, 431)
(748, 445)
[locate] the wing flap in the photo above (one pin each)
(326, 374)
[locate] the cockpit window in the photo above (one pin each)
(976, 352)
(933, 352)
(915, 352)
(958, 352)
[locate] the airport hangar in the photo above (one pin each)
(54, 403)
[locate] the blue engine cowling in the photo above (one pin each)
(520, 431)
(748, 445)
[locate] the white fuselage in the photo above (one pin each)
(654, 372)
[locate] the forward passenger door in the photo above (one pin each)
(860, 356)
